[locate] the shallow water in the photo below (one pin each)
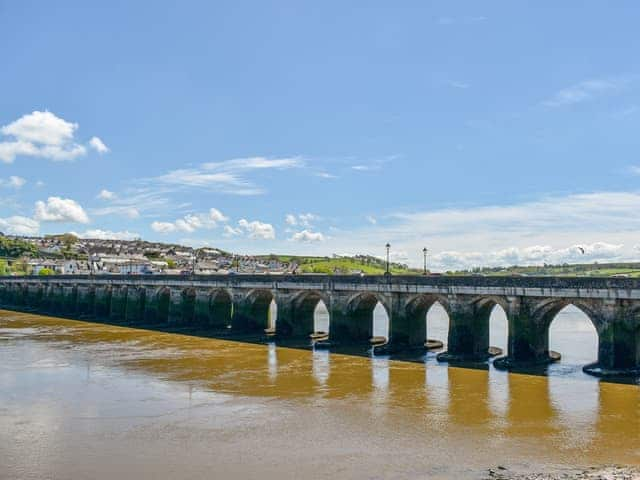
(84, 400)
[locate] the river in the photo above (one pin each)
(85, 400)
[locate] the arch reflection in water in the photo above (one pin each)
(575, 401)
(380, 374)
(272, 360)
(530, 412)
(469, 396)
(321, 366)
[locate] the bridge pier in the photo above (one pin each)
(175, 306)
(618, 341)
(528, 336)
(202, 308)
(102, 302)
(220, 309)
(69, 300)
(468, 332)
(118, 303)
(134, 305)
(86, 300)
(35, 294)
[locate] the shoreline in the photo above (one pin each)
(602, 472)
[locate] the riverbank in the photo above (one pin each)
(612, 472)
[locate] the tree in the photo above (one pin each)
(45, 271)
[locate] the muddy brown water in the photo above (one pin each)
(84, 400)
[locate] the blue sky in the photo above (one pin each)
(490, 132)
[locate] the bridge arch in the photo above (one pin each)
(362, 310)
(572, 328)
(303, 312)
(254, 313)
(220, 308)
(188, 305)
(421, 311)
(491, 313)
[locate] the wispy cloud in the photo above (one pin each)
(98, 234)
(325, 175)
(229, 177)
(587, 90)
(459, 85)
(13, 181)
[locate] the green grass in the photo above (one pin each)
(349, 265)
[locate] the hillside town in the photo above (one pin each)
(69, 255)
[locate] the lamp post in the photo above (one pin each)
(388, 247)
(424, 252)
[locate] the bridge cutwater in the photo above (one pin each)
(241, 303)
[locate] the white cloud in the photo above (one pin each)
(226, 177)
(325, 175)
(303, 219)
(13, 182)
(307, 236)
(364, 168)
(460, 85)
(216, 215)
(124, 210)
(108, 235)
(98, 145)
(16, 182)
(18, 225)
(257, 229)
(487, 235)
(58, 209)
(191, 222)
(531, 255)
(291, 219)
(371, 219)
(230, 231)
(586, 90)
(41, 127)
(40, 134)
(163, 227)
(106, 195)
(255, 163)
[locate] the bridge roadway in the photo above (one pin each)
(241, 303)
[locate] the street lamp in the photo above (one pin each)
(388, 247)
(424, 251)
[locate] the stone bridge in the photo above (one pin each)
(240, 303)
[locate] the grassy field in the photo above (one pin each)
(631, 270)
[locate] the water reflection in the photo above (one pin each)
(559, 418)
